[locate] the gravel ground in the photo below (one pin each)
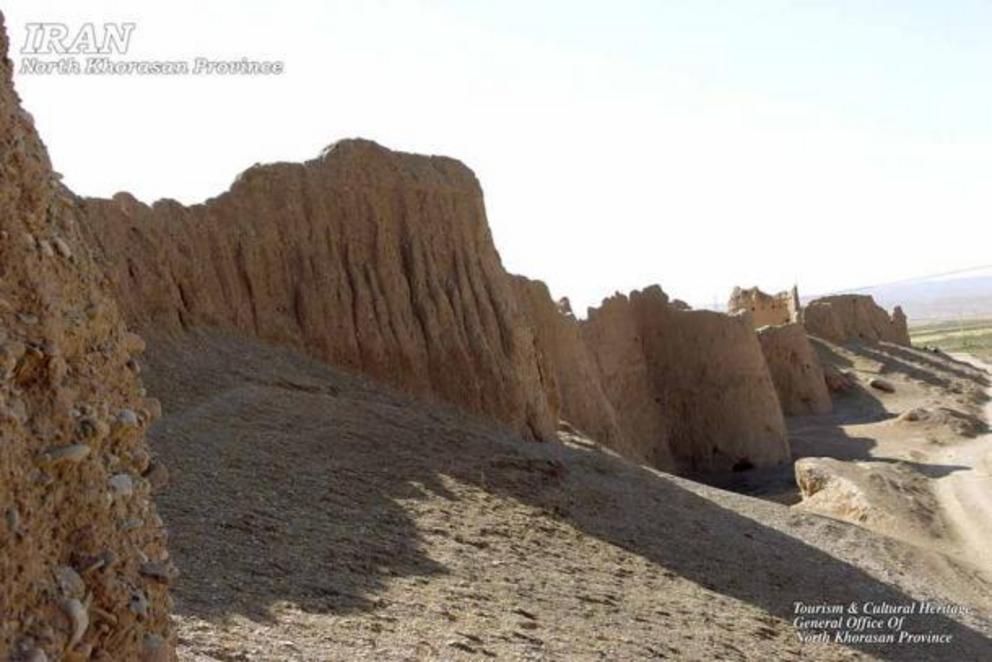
(315, 516)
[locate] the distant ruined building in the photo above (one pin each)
(766, 309)
(838, 318)
(783, 328)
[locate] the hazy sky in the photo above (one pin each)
(696, 144)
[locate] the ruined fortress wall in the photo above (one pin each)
(690, 385)
(795, 369)
(612, 335)
(382, 263)
(765, 309)
(854, 317)
(578, 390)
(374, 261)
(83, 568)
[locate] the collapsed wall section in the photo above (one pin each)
(84, 571)
(575, 385)
(795, 369)
(692, 386)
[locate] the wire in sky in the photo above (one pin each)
(914, 279)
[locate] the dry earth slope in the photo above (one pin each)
(318, 516)
(907, 459)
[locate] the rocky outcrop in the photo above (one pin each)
(689, 387)
(795, 369)
(375, 261)
(888, 497)
(765, 309)
(83, 569)
(854, 317)
(569, 368)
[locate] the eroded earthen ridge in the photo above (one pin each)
(855, 317)
(83, 570)
(795, 369)
(691, 388)
(375, 261)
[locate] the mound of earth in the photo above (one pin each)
(937, 419)
(891, 498)
(912, 461)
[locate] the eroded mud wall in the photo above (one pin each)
(375, 261)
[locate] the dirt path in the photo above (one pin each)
(966, 495)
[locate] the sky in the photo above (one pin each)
(697, 144)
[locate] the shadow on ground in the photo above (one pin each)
(289, 489)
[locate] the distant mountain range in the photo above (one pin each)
(935, 300)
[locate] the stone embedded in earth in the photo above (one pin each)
(157, 476)
(62, 247)
(121, 485)
(882, 385)
(70, 582)
(78, 619)
(66, 454)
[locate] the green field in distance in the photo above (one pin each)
(973, 336)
